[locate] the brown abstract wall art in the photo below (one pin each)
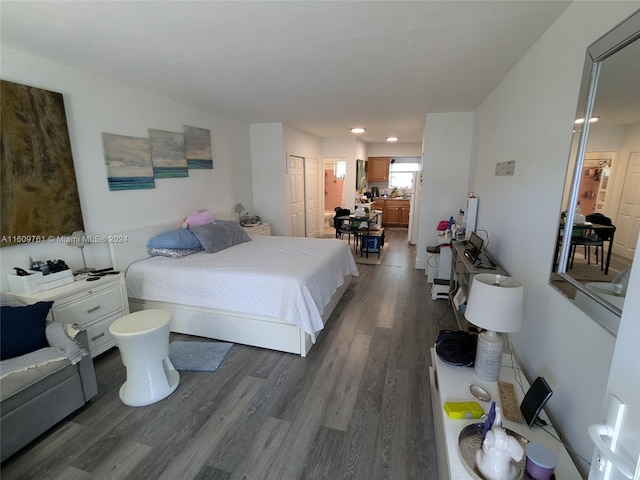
(38, 188)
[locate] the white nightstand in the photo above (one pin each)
(258, 229)
(92, 306)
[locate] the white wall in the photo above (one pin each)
(268, 173)
(528, 118)
(447, 150)
(271, 143)
(95, 105)
(351, 149)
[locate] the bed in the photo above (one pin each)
(271, 292)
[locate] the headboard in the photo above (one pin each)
(129, 246)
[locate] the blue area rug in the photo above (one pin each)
(198, 356)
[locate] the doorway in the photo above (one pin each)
(335, 171)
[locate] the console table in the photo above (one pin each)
(451, 383)
(462, 272)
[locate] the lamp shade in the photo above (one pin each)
(495, 303)
(239, 208)
(79, 239)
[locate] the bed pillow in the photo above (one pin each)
(214, 237)
(238, 234)
(218, 236)
(176, 239)
(22, 329)
(173, 252)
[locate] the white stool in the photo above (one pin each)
(143, 340)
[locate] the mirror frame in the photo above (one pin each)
(625, 33)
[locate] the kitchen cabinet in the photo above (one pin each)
(395, 213)
(378, 169)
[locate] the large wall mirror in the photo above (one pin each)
(600, 212)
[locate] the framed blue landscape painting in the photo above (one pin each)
(167, 154)
(197, 146)
(128, 161)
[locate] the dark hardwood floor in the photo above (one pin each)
(358, 407)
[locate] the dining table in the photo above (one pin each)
(587, 228)
(361, 228)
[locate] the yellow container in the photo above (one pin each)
(463, 410)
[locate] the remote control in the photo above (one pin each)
(103, 270)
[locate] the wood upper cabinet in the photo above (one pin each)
(378, 169)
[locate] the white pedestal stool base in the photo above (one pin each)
(143, 340)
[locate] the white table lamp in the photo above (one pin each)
(495, 304)
(239, 209)
(80, 240)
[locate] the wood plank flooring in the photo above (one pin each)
(358, 407)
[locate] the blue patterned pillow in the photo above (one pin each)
(178, 238)
(173, 252)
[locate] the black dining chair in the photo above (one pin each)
(343, 227)
(595, 239)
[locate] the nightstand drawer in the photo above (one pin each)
(90, 309)
(100, 337)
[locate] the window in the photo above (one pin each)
(340, 169)
(401, 172)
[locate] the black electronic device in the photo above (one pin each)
(473, 247)
(21, 272)
(101, 270)
(534, 400)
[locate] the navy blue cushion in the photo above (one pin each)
(22, 329)
(178, 238)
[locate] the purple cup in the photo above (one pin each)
(540, 461)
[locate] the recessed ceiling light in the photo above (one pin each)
(357, 130)
(392, 139)
(580, 121)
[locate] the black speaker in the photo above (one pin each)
(534, 400)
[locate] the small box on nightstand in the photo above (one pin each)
(26, 284)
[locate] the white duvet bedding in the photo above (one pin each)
(285, 277)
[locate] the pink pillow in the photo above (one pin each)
(201, 217)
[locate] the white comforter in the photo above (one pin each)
(285, 277)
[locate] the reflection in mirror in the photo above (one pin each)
(600, 214)
(335, 170)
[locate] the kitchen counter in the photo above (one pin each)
(375, 199)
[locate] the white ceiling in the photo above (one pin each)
(321, 66)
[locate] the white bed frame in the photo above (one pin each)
(246, 328)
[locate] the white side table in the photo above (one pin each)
(451, 384)
(258, 229)
(143, 340)
(90, 306)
